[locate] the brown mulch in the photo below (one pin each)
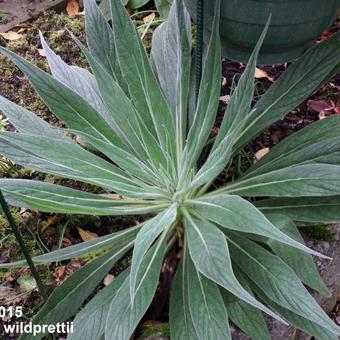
(295, 120)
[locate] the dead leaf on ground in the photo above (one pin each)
(225, 99)
(61, 273)
(87, 235)
(41, 52)
(23, 25)
(323, 114)
(259, 74)
(61, 33)
(50, 221)
(72, 7)
(108, 279)
(149, 18)
(11, 36)
(261, 153)
(147, 22)
(67, 242)
(323, 105)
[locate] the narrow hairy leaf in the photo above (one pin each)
(240, 101)
(298, 321)
(115, 241)
(142, 173)
(106, 10)
(301, 79)
(206, 306)
(209, 251)
(48, 197)
(207, 103)
(196, 306)
(277, 280)
(233, 123)
(130, 163)
(303, 209)
(123, 317)
(145, 238)
(75, 289)
(317, 143)
(249, 319)
(80, 81)
(33, 151)
(294, 181)
(171, 56)
(65, 103)
(131, 123)
(100, 39)
(89, 324)
(135, 4)
(225, 211)
(142, 83)
(163, 7)
(26, 121)
(181, 323)
(301, 263)
(216, 162)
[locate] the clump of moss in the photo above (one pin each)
(54, 26)
(4, 17)
(26, 228)
(2, 42)
(320, 232)
(4, 223)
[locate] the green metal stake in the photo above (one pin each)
(16, 231)
(199, 43)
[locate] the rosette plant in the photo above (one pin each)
(141, 135)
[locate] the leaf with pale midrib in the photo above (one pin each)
(277, 280)
(65, 300)
(209, 251)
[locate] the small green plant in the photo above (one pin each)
(239, 256)
(3, 122)
(5, 164)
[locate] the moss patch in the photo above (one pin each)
(320, 232)
(26, 228)
(54, 26)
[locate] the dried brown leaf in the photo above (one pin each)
(261, 153)
(51, 220)
(72, 7)
(11, 36)
(259, 74)
(87, 235)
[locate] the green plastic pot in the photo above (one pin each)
(294, 26)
